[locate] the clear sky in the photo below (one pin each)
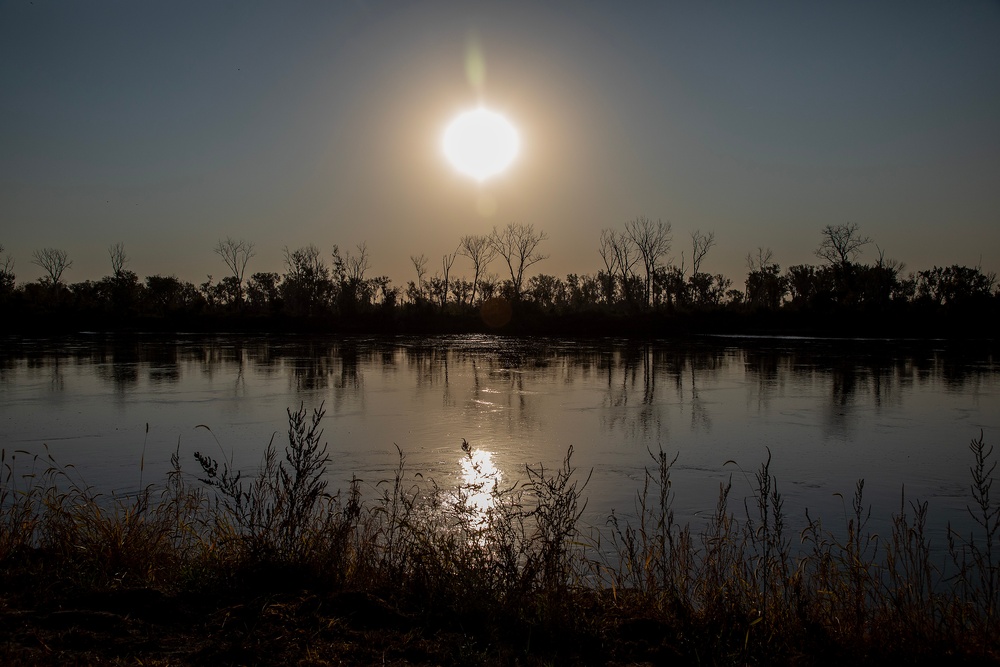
(169, 125)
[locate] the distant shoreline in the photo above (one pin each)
(909, 326)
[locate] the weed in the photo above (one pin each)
(505, 564)
(977, 580)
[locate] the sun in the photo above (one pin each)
(480, 143)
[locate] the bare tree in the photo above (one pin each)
(893, 265)
(236, 255)
(53, 261)
(118, 259)
(304, 263)
(6, 270)
(446, 263)
(626, 255)
(518, 245)
(609, 256)
(352, 267)
(765, 286)
(420, 264)
(488, 285)
(607, 251)
(701, 244)
(481, 252)
(652, 240)
(358, 265)
(620, 256)
(306, 287)
(761, 261)
(841, 243)
(349, 274)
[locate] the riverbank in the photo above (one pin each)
(501, 318)
(214, 567)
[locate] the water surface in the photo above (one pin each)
(829, 412)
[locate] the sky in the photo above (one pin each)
(171, 125)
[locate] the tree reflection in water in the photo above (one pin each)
(831, 410)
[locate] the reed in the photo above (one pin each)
(518, 577)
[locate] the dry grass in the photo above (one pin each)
(275, 569)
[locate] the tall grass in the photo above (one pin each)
(520, 568)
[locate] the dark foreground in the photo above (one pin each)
(302, 627)
(299, 626)
(219, 569)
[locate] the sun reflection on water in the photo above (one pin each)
(479, 477)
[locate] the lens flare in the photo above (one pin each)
(475, 65)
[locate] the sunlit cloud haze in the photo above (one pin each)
(170, 125)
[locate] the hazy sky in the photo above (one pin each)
(169, 125)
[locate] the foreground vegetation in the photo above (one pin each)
(220, 568)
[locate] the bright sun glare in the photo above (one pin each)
(481, 143)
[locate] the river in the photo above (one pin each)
(899, 414)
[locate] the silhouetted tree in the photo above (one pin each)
(625, 255)
(387, 294)
(766, 287)
(167, 296)
(352, 267)
(701, 244)
(546, 291)
(879, 284)
(85, 297)
(704, 289)
(906, 288)
(211, 293)
(121, 289)
(518, 245)
(416, 290)
(841, 244)
(955, 285)
(840, 287)
(53, 261)
(586, 291)
(707, 290)
(306, 287)
(488, 286)
(480, 252)
(436, 289)
(349, 272)
(652, 240)
(6, 273)
(609, 255)
(118, 258)
(735, 297)
(803, 284)
(446, 263)
(263, 293)
(461, 291)
(236, 255)
(670, 287)
(228, 292)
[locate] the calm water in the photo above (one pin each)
(830, 412)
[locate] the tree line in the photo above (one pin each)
(636, 277)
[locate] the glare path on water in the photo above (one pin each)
(479, 479)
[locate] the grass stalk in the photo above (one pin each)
(518, 569)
